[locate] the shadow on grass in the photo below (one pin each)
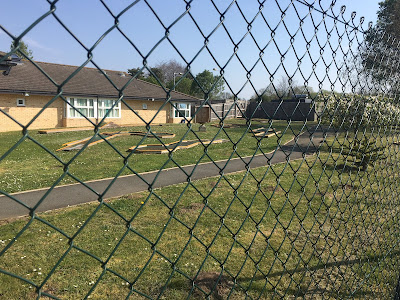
(326, 292)
(343, 168)
(309, 290)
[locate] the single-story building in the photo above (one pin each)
(26, 90)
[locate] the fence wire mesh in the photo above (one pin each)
(287, 198)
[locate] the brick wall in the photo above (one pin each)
(128, 117)
(53, 116)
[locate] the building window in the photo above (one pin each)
(144, 106)
(106, 106)
(20, 102)
(83, 105)
(181, 110)
(92, 108)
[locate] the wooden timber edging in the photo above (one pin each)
(59, 130)
(67, 146)
(228, 125)
(161, 135)
(264, 134)
(64, 129)
(110, 135)
(161, 149)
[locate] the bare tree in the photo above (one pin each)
(284, 88)
(168, 68)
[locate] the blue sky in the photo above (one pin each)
(89, 19)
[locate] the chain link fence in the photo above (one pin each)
(248, 208)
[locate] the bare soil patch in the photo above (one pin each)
(192, 208)
(213, 284)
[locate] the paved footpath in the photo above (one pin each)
(66, 195)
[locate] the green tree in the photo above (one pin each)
(205, 81)
(388, 19)
(135, 71)
(183, 86)
(148, 76)
(23, 48)
(156, 73)
(380, 54)
(266, 94)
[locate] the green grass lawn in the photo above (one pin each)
(29, 166)
(313, 232)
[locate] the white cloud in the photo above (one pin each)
(35, 44)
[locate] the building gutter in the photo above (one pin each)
(67, 94)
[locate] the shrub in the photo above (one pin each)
(350, 111)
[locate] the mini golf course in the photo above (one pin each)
(158, 148)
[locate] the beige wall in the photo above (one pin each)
(152, 108)
(53, 116)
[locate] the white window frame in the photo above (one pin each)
(117, 108)
(187, 110)
(88, 106)
(96, 107)
(144, 106)
(22, 104)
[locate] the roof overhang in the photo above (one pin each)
(66, 94)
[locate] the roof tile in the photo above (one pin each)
(26, 77)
